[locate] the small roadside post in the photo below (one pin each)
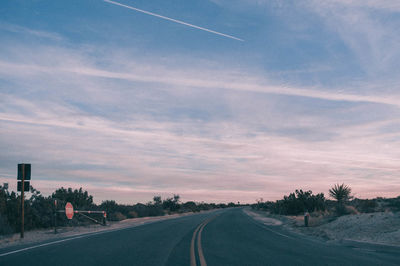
(55, 216)
(104, 218)
(306, 217)
(24, 174)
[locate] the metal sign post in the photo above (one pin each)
(24, 173)
(22, 202)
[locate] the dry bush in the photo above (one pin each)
(132, 214)
(316, 221)
(119, 216)
(351, 210)
(320, 213)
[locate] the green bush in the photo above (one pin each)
(394, 204)
(366, 206)
(298, 202)
(5, 227)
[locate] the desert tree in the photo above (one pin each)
(157, 200)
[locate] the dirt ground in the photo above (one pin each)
(377, 227)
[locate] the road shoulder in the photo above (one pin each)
(322, 232)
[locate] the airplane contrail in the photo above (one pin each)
(173, 20)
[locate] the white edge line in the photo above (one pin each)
(265, 227)
(269, 229)
(42, 245)
(79, 236)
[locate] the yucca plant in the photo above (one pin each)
(342, 194)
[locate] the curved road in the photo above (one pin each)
(223, 237)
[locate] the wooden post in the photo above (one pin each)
(55, 216)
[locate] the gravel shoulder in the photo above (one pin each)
(382, 228)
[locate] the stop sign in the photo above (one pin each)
(69, 210)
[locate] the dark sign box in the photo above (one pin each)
(26, 186)
(27, 167)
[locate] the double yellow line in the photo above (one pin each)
(198, 232)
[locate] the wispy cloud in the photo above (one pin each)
(387, 5)
(23, 30)
(182, 79)
(371, 37)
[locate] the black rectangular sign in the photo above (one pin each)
(26, 186)
(27, 167)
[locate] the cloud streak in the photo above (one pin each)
(23, 30)
(174, 20)
(182, 79)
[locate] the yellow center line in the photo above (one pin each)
(199, 247)
(192, 252)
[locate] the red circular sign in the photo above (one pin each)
(69, 210)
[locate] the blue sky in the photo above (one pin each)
(129, 105)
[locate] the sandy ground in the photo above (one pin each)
(36, 236)
(265, 220)
(377, 228)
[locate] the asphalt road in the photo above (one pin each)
(224, 237)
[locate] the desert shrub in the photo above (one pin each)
(110, 206)
(190, 206)
(132, 214)
(350, 210)
(171, 204)
(317, 214)
(340, 209)
(393, 204)
(38, 211)
(117, 216)
(5, 227)
(81, 200)
(367, 206)
(298, 202)
(260, 205)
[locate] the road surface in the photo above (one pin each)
(223, 237)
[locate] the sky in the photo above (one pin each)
(214, 100)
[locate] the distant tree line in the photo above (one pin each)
(39, 210)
